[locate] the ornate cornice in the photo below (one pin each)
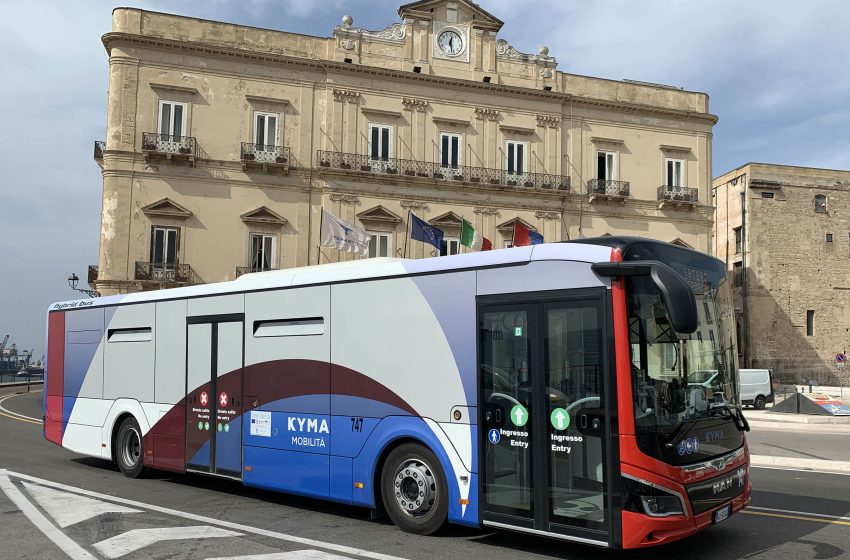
(115, 38)
(414, 204)
(394, 33)
(485, 211)
(548, 120)
(547, 215)
(486, 113)
(344, 198)
(414, 104)
(346, 95)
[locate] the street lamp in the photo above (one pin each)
(73, 280)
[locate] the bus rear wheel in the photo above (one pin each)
(413, 489)
(129, 448)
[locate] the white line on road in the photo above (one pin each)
(69, 547)
(294, 555)
(209, 520)
(806, 513)
(807, 471)
(7, 411)
(68, 509)
(137, 539)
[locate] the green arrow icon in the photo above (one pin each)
(207, 426)
(220, 427)
(560, 419)
(200, 425)
(519, 415)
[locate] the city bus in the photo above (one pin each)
(542, 389)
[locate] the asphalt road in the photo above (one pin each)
(95, 512)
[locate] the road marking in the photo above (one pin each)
(807, 471)
(294, 555)
(796, 517)
(137, 539)
(68, 509)
(69, 547)
(802, 513)
(210, 521)
(14, 415)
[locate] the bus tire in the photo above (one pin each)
(129, 448)
(414, 490)
(759, 402)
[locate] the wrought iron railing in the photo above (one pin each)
(677, 194)
(156, 143)
(173, 273)
(93, 271)
(240, 270)
(265, 153)
(461, 173)
(99, 146)
(608, 187)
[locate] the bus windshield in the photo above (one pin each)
(681, 378)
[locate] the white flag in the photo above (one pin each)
(344, 236)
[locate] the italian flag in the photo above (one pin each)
(472, 239)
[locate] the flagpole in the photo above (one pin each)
(407, 236)
(513, 235)
(319, 246)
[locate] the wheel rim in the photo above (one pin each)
(131, 447)
(415, 488)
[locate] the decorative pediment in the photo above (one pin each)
(449, 219)
(480, 17)
(680, 243)
(508, 227)
(166, 208)
(379, 214)
(263, 215)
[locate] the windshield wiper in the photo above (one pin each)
(735, 413)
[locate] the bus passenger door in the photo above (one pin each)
(214, 363)
(544, 414)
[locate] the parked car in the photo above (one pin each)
(756, 387)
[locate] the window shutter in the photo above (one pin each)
(178, 122)
(455, 149)
(373, 149)
(385, 141)
(271, 131)
(511, 162)
(520, 159)
(444, 153)
(165, 119)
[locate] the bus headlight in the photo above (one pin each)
(642, 496)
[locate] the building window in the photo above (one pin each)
(381, 245)
(707, 312)
(810, 322)
(739, 236)
(820, 203)
(675, 172)
(516, 152)
(766, 194)
(738, 274)
(450, 149)
(508, 243)
(164, 245)
(829, 238)
(606, 165)
(713, 342)
(262, 251)
(699, 336)
(380, 142)
(172, 120)
(451, 246)
(265, 130)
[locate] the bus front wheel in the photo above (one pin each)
(129, 450)
(413, 489)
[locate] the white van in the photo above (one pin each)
(756, 387)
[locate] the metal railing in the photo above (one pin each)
(156, 143)
(608, 187)
(459, 173)
(240, 270)
(93, 272)
(264, 153)
(99, 146)
(677, 194)
(173, 273)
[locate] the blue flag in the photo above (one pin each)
(535, 238)
(421, 230)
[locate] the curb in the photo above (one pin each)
(819, 465)
(20, 383)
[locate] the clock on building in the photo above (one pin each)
(450, 42)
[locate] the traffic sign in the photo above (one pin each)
(204, 398)
(840, 358)
(222, 399)
(493, 436)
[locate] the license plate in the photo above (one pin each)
(721, 515)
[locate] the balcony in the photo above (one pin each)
(169, 147)
(608, 190)
(99, 147)
(240, 270)
(496, 178)
(93, 271)
(175, 274)
(265, 156)
(677, 197)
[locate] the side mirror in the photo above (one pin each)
(677, 294)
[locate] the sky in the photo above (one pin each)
(777, 73)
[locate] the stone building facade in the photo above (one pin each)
(784, 233)
(225, 142)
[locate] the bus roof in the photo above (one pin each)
(361, 270)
